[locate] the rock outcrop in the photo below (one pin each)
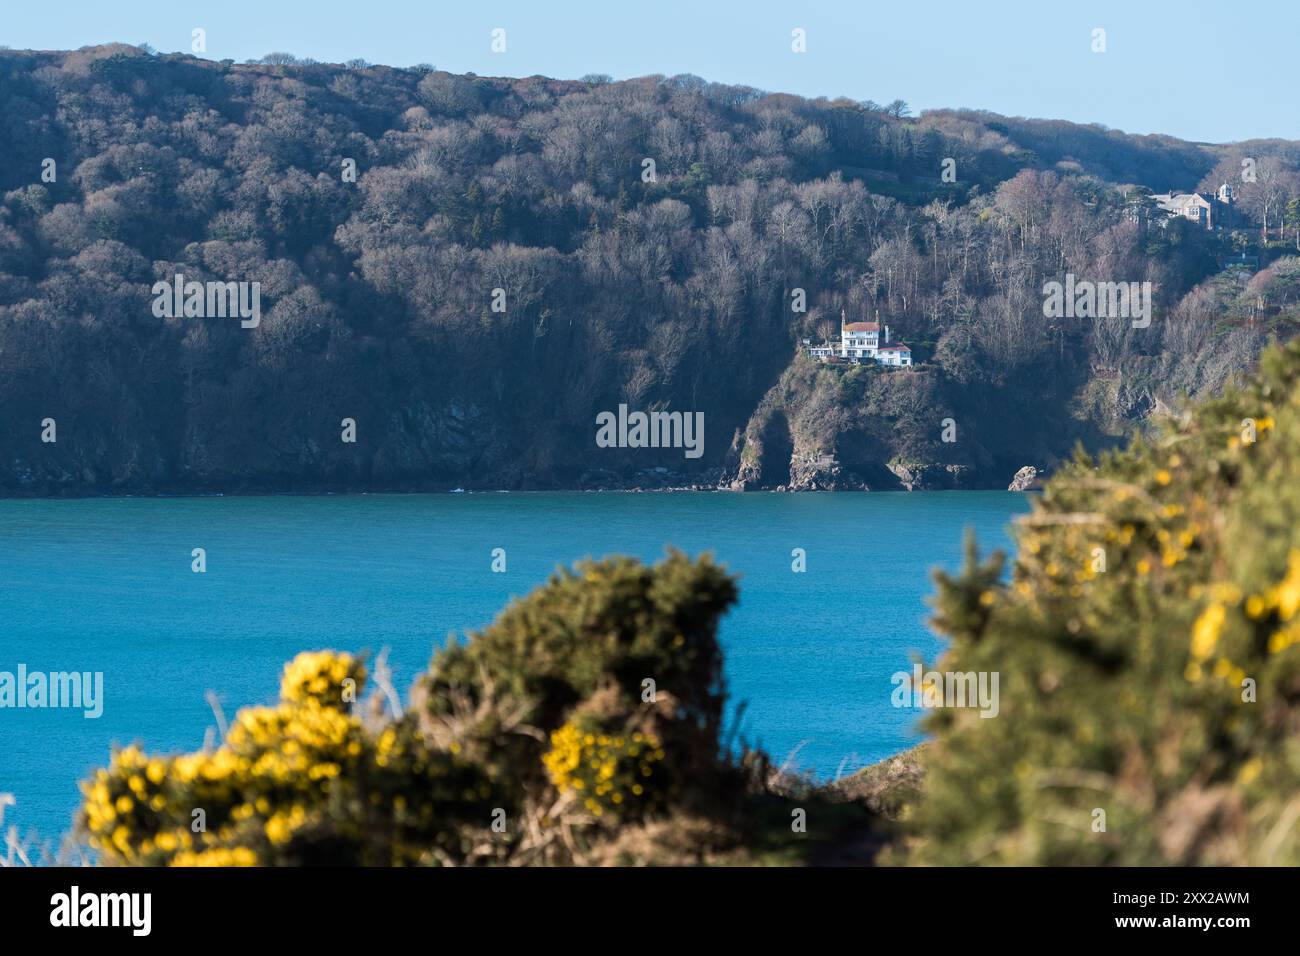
(1025, 479)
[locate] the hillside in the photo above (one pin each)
(503, 267)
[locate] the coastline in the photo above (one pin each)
(686, 489)
(1035, 484)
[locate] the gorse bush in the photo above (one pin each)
(1146, 642)
(303, 782)
(628, 648)
(585, 706)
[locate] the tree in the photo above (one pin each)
(1267, 195)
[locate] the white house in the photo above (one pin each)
(858, 339)
(861, 342)
(894, 355)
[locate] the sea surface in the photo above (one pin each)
(106, 585)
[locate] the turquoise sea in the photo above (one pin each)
(106, 585)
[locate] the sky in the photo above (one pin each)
(1211, 72)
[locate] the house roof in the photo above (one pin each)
(1180, 200)
(893, 348)
(862, 327)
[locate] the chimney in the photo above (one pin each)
(886, 335)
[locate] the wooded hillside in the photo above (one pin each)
(673, 292)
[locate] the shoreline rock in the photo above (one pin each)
(1026, 479)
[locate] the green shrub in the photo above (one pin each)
(631, 647)
(1146, 646)
(531, 742)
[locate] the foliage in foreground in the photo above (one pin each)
(567, 731)
(1147, 647)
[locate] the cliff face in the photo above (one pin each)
(456, 275)
(831, 428)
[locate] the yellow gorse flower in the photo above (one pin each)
(604, 767)
(1287, 593)
(217, 856)
(1205, 632)
(324, 678)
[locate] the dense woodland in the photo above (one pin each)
(674, 293)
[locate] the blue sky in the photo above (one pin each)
(1203, 71)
